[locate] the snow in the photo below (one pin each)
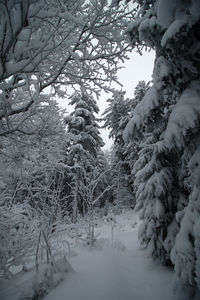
(171, 10)
(145, 26)
(24, 35)
(172, 30)
(132, 25)
(195, 9)
(159, 209)
(141, 113)
(69, 17)
(165, 12)
(108, 271)
(115, 276)
(184, 116)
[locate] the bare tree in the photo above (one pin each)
(92, 195)
(59, 44)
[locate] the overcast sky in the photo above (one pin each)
(135, 69)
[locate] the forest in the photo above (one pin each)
(78, 222)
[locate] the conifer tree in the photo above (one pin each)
(84, 146)
(132, 148)
(166, 183)
(116, 118)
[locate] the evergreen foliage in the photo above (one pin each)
(115, 119)
(84, 147)
(169, 117)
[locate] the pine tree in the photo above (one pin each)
(103, 171)
(116, 118)
(183, 133)
(84, 146)
(171, 109)
(132, 147)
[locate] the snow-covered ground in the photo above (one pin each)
(116, 269)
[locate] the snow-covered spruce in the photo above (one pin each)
(115, 118)
(83, 148)
(169, 114)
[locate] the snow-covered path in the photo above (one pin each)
(106, 273)
(112, 275)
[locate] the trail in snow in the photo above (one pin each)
(111, 275)
(106, 274)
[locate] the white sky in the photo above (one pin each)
(135, 69)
